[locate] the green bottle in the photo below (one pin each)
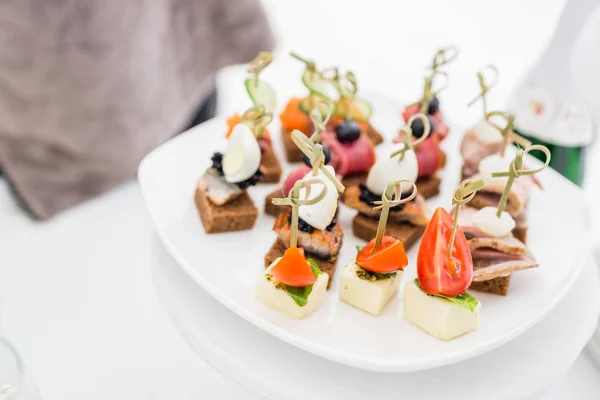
(565, 128)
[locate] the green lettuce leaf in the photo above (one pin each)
(464, 300)
(299, 294)
(314, 267)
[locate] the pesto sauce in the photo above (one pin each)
(373, 276)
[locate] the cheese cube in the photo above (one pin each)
(438, 316)
(369, 296)
(268, 294)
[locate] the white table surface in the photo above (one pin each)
(76, 294)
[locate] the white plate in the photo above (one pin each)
(227, 265)
(221, 338)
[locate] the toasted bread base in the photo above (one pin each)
(429, 186)
(270, 167)
(374, 135)
(365, 228)
(292, 153)
(355, 180)
(521, 234)
(237, 215)
(325, 265)
(498, 285)
(272, 209)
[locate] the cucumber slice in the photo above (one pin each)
(261, 93)
(319, 85)
(310, 101)
(361, 109)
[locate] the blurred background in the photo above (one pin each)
(88, 88)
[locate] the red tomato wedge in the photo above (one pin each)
(439, 271)
(389, 257)
(293, 269)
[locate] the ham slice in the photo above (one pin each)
(441, 128)
(349, 158)
(489, 195)
(429, 156)
(493, 257)
(473, 151)
(294, 177)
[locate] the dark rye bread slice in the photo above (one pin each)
(365, 228)
(270, 167)
(239, 214)
(325, 265)
(498, 285)
(272, 209)
(374, 135)
(428, 186)
(292, 153)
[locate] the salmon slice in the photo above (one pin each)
(323, 243)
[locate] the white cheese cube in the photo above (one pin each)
(268, 294)
(438, 316)
(365, 295)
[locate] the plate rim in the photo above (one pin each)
(315, 348)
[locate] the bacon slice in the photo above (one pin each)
(493, 257)
(473, 151)
(490, 194)
(323, 243)
(414, 212)
(349, 158)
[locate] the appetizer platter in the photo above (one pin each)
(354, 282)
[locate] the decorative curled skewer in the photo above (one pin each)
(428, 92)
(485, 87)
(444, 56)
(310, 65)
(515, 171)
(463, 194)
(407, 135)
(508, 134)
(262, 60)
(320, 116)
(295, 202)
(392, 197)
(257, 118)
(314, 152)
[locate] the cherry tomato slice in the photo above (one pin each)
(293, 269)
(439, 271)
(389, 257)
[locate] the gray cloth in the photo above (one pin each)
(87, 88)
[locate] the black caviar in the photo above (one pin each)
(217, 163)
(368, 197)
(306, 227)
